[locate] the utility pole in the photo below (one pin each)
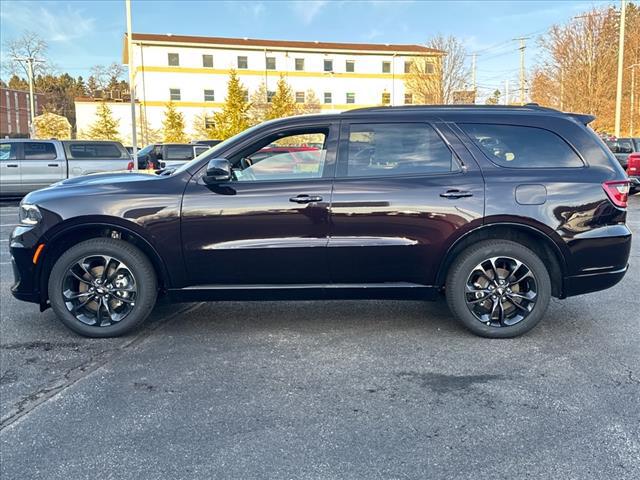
(32, 101)
(561, 89)
(132, 88)
(506, 92)
(632, 99)
(623, 11)
(522, 48)
(473, 72)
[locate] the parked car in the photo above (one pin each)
(622, 147)
(27, 165)
(633, 171)
(161, 155)
(499, 208)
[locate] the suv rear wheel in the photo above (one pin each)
(498, 289)
(102, 287)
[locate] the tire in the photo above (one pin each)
(129, 274)
(474, 309)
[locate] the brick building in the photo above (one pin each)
(15, 114)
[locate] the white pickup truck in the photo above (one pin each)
(27, 165)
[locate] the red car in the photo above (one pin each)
(633, 171)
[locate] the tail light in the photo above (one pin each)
(618, 192)
(130, 166)
(633, 166)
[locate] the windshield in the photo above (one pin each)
(146, 149)
(213, 151)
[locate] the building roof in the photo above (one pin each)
(257, 44)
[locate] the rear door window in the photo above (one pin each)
(8, 151)
(39, 151)
(384, 149)
(94, 150)
(517, 146)
(179, 152)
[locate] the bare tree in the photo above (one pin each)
(29, 44)
(433, 80)
(578, 69)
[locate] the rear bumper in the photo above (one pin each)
(592, 282)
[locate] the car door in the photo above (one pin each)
(9, 168)
(269, 225)
(404, 191)
(41, 165)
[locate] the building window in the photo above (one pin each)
(271, 63)
(407, 66)
(350, 66)
(327, 97)
(386, 67)
(351, 97)
(408, 98)
(299, 97)
(209, 122)
(328, 65)
(299, 64)
(246, 95)
(429, 68)
(207, 61)
(173, 59)
(174, 94)
(386, 98)
(242, 62)
(209, 96)
(270, 96)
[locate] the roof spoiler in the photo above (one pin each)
(583, 118)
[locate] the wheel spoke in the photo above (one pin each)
(80, 305)
(517, 305)
(122, 299)
(77, 295)
(79, 278)
(107, 261)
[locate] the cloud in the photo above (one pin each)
(307, 11)
(56, 24)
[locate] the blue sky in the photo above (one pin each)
(84, 33)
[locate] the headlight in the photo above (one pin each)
(29, 214)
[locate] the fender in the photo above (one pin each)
(447, 259)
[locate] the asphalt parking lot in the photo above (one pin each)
(331, 390)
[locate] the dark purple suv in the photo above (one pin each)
(499, 208)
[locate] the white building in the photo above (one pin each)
(193, 72)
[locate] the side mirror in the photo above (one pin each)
(218, 170)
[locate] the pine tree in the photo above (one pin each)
(234, 117)
(173, 125)
(283, 103)
(50, 125)
(145, 133)
(494, 99)
(311, 103)
(259, 105)
(92, 86)
(105, 127)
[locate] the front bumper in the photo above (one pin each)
(22, 246)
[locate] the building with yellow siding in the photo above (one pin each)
(192, 72)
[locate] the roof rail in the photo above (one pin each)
(529, 106)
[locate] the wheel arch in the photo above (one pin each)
(77, 230)
(533, 238)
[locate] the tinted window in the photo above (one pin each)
(7, 151)
(396, 149)
(207, 61)
(625, 145)
(173, 59)
(39, 151)
(179, 152)
(94, 150)
(522, 147)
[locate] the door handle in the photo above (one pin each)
(12, 165)
(53, 165)
(456, 194)
(306, 199)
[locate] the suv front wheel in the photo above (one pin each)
(498, 289)
(102, 287)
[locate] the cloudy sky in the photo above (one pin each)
(84, 33)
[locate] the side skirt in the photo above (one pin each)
(390, 291)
